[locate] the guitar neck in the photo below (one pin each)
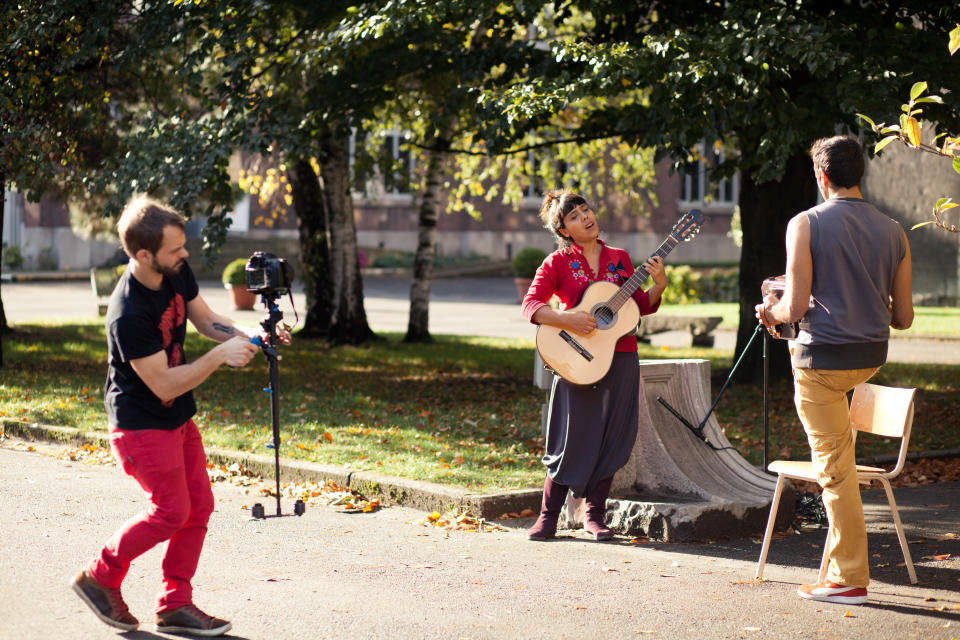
(640, 275)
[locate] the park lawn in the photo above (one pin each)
(928, 321)
(460, 411)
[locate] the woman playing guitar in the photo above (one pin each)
(591, 428)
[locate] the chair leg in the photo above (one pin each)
(899, 526)
(768, 534)
(825, 558)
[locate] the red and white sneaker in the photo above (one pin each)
(827, 591)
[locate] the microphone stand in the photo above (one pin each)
(698, 430)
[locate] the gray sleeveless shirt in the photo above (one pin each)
(856, 251)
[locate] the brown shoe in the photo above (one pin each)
(189, 619)
(106, 603)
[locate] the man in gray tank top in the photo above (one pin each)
(848, 281)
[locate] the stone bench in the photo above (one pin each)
(675, 487)
(700, 327)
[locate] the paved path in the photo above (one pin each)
(459, 306)
(330, 574)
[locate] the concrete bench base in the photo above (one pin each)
(675, 487)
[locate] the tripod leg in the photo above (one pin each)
(275, 411)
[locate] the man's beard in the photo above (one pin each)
(166, 271)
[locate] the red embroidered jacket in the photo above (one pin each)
(565, 272)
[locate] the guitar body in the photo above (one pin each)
(585, 359)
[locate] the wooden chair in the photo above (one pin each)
(883, 411)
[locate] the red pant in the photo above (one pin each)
(171, 467)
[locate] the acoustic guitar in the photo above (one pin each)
(584, 359)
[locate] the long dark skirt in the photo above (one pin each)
(591, 429)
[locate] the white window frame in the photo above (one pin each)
(377, 190)
(701, 179)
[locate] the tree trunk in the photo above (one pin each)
(418, 325)
(3, 314)
(313, 225)
(765, 210)
(349, 320)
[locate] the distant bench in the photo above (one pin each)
(700, 327)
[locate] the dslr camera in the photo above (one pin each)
(268, 275)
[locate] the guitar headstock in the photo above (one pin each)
(688, 225)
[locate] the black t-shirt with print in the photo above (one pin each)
(141, 322)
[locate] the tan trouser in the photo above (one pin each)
(820, 396)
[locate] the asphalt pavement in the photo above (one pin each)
(332, 574)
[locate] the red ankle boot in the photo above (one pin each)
(597, 509)
(545, 527)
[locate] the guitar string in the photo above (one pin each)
(639, 276)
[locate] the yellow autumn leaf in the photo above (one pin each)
(954, 40)
(913, 131)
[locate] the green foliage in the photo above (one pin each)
(12, 256)
(909, 131)
(686, 285)
(234, 273)
(527, 261)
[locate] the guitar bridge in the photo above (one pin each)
(576, 346)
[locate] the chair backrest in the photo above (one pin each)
(883, 411)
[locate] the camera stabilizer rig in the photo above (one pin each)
(271, 277)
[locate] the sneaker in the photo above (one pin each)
(832, 592)
(190, 620)
(106, 603)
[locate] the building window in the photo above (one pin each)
(532, 187)
(695, 186)
(393, 168)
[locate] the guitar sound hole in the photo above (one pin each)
(604, 317)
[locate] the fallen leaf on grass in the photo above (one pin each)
(848, 614)
(941, 556)
(608, 569)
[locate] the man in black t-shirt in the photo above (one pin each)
(150, 408)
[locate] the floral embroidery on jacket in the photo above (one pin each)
(579, 273)
(611, 275)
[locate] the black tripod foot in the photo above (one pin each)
(258, 512)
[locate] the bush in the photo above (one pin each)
(687, 286)
(526, 262)
(12, 256)
(234, 273)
